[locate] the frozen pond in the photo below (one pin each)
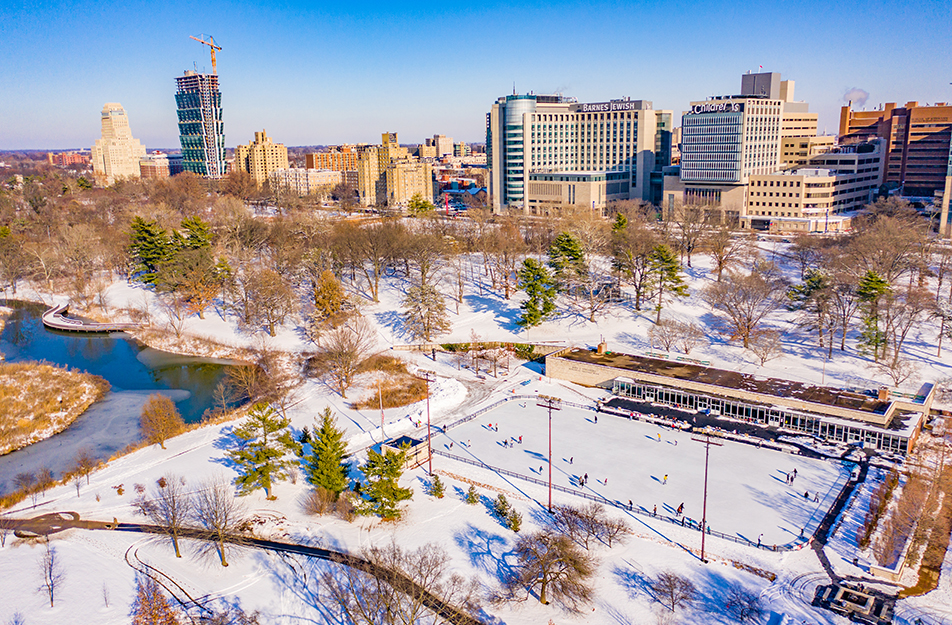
(134, 371)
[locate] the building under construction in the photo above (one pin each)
(201, 129)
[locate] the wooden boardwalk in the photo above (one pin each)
(56, 319)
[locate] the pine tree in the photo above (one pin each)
(501, 507)
(437, 489)
(620, 223)
(382, 491)
(150, 606)
(329, 298)
(872, 288)
(514, 520)
(667, 276)
(150, 246)
(262, 454)
(325, 466)
(566, 258)
(536, 281)
(419, 207)
(425, 315)
(472, 496)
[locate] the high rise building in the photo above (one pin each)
(443, 145)
(261, 157)
(555, 137)
(919, 142)
(201, 129)
(727, 139)
(304, 181)
(155, 165)
(116, 155)
(372, 165)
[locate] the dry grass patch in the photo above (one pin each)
(38, 400)
(394, 384)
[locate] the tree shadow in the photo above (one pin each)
(487, 552)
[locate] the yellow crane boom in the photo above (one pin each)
(213, 46)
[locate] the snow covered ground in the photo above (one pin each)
(748, 492)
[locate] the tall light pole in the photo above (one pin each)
(551, 403)
(707, 452)
(428, 376)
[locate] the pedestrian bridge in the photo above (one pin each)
(56, 319)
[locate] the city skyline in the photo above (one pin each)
(330, 74)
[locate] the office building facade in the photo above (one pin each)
(261, 157)
(303, 181)
(116, 154)
(201, 129)
(919, 142)
(552, 134)
(340, 158)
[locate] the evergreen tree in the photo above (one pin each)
(150, 246)
(425, 314)
(514, 520)
(620, 223)
(437, 489)
(536, 281)
(383, 492)
(566, 258)
(193, 234)
(872, 289)
(150, 606)
(325, 466)
(472, 496)
(262, 455)
(419, 207)
(666, 270)
(501, 507)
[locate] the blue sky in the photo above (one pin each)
(315, 73)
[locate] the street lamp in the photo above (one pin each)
(707, 452)
(551, 403)
(428, 376)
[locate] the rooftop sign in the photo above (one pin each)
(716, 107)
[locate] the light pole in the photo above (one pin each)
(707, 452)
(383, 435)
(551, 403)
(428, 376)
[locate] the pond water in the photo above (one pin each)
(134, 370)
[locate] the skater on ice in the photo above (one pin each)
(665, 480)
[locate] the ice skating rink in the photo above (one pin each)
(748, 493)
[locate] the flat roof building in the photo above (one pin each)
(884, 419)
(534, 134)
(261, 157)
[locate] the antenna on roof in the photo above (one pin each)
(513, 87)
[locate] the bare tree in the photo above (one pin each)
(218, 511)
(743, 605)
(765, 343)
(663, 334)
(52, 571)
(390, 585)
(898, 369)
(726, 250)
(673, 590)
(6, 525)
(583, 523)
(745, 300)
(344, 348)
(85, 462)
(553, 564)
(160, 420)
(689, 336)
(170, 507)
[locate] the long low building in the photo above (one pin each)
(884, 420)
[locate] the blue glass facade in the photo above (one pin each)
(201, 129)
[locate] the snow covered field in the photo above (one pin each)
(748, 495)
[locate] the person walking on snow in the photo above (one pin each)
(654, 510)
(596, 418)
(520, 439)
(659, 438)
(571, 458)
(680, 508)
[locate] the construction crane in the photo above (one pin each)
(211, 44)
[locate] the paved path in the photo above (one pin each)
(54, 522)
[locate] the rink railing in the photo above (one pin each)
(502, 401)
(682, 521)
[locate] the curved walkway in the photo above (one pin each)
(58, 521)
(56, 319)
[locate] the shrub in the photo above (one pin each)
(319, 501)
